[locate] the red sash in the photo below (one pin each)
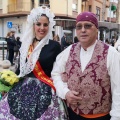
(39, 73)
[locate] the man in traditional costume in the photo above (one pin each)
(87, 74)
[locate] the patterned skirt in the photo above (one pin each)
(31, 99)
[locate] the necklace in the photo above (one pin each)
(37, 39)
(35, 42)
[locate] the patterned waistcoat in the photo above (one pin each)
(93, 84)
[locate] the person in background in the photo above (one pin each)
(17, 47)
(117, 44)
(8, 35)
(10, 46)
(34, 97)
(64, 42)
(107, 41)
(87, 74)
(113, 41)
(56, 38)
(76, 39)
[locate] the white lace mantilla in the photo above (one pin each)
(27, 39)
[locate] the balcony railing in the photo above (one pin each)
(24, 6)
(84, 0)
(113, 19)
(48, 5)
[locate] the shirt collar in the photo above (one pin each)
(89, 49)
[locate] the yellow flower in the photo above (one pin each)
(9, 76)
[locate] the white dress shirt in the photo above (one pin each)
(113, 66)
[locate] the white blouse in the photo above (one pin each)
(113, 66)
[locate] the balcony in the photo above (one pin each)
(111, 19)
(85, 0)
(20, 7)
(48, 5)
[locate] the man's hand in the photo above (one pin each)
(72, 97)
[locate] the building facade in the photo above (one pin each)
(15, 12)
(106, 11)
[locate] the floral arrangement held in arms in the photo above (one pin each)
(7, 79)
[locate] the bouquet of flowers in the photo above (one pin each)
(7, 79)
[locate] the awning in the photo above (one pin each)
(109, 25)
(17, 14)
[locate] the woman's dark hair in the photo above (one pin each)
(45, 16)
(17, 38)
(75, 39)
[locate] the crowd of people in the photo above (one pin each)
(61, 81)
(13, 46)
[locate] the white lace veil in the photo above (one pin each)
(27, 66)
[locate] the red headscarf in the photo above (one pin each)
(88, 16)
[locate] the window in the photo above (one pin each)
(0, 4)
(32, 3)
(44, 2)
(19, 4)
(90, 8)
(74, 7)
(98, 13)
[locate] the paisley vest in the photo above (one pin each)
(93, 84)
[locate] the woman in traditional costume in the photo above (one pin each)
(33, 97)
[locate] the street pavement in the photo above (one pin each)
(13, 68)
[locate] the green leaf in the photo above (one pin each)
(4, 87)
(4, 82)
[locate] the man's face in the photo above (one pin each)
(86, 32)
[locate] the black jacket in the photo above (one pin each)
(11, 42)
